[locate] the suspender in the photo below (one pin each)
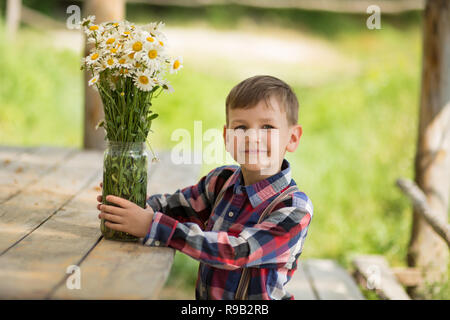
(242, 289)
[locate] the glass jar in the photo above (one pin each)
(125, 167)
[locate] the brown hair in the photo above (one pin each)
(251, 91)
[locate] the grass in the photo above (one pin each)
(359, 131)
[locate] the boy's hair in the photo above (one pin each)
(251, 91)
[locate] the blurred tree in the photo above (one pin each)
(432, 164)
(13, 8)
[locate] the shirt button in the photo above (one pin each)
(230, 214)
(157, 243)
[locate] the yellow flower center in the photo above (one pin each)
(152, 54)
(94, 56)
(176, 64)
(143, 79)
(137, 46)
(138, 65)
(115, 24)
(131, 55)
(127, 32)
(161, 43)
(110, 41)
(94, 27)
(150, 39)
(113, 50)
(110, 61)
(122, 60)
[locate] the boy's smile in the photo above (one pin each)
(258, 138)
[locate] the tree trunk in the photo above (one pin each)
(427, 250)
(104, 10)
(13, 9)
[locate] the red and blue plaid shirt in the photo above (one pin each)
(230, 238)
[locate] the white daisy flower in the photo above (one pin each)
(110, 41)
(176, 64)
(124, 62)
(110, 62)
(152, 54)
(92, 58)
(143, 81)
(94, 29)
(135, 44)
(94, 79)
(149, 38)
(161, 42)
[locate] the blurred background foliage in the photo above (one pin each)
(359, 101)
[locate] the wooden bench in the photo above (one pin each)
(322, 279)
(49, 222)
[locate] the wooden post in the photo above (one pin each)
(104, 10)
(427, 250)
(13, 9)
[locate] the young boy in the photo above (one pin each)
(242, 255)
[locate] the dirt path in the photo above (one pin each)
(235, 53)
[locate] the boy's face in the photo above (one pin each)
(259, 137)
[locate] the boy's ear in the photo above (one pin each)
(224, 133)
(296, 132)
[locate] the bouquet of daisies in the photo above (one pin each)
(128, 64)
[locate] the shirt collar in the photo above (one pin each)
(264, 189)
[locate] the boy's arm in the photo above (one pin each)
(269, 244)
(189, 204)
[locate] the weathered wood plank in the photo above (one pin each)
(331, 281)
(120, 270)
(9, 153)
(300, 286)
(22, 166)
(32, 268)
(384, 281)
(23, 213)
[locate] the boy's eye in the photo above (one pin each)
(266, 126)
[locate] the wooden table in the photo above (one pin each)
(49, 222)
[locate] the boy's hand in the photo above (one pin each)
(129, 217)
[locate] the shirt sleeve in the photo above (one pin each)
(270, 244)
(189, 204)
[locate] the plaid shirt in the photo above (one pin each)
(230, 238)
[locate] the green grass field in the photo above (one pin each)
(359, 128)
